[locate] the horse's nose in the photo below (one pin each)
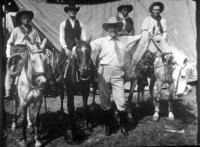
(180, 95)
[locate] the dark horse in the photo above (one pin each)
(78, 78)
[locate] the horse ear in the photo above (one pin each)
(89, 39)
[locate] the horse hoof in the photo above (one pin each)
(155, 117)
(38, 143)
(22, 143)
(13, 128)
(171, 116)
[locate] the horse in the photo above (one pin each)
(167, 68)
(29, 86)
(79, 76)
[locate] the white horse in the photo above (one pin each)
(29, 86)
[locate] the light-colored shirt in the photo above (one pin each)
(106, 49)
(62, 32)
(150, 23)
(17, 37)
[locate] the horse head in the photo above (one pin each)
(35, 63)
(83, 59)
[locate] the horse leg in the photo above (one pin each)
(130, 97)
(140, 90)
(45, 103)
(37, 122)
(62, 95)
(15, 105)
(151, 88)
(69, 137)
(24, 126)
(28, 118)
(170, 115)
(156, 101)
(85, 109)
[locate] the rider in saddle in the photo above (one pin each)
(71, 31)
(16, 43)
(155, 27)
(122, 16)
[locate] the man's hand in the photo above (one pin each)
(67, 52)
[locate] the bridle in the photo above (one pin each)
(88, 69)
(28, 69)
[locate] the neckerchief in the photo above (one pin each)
(158, 23)
(25, 32)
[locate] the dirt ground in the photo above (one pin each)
(143, 131)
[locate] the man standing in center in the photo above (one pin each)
(71, 30)
(111, 50)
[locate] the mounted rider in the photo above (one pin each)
(17, 44)
(71, 31)
(155, 27)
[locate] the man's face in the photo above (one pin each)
(124, 12)
(156, 11)
(113, 31)
(72, 13)
(25, 19)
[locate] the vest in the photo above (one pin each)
(72, 33)
(129, 24)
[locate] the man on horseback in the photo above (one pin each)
(155, 27)
(111, 50)
(122, 16)
(71, 30)
(16, 43)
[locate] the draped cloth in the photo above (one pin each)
(132, 56)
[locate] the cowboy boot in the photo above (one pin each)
(123, 122)
(107, 116)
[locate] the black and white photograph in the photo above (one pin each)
(99, 73)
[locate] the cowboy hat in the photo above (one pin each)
(128, 7)
(161, 5)
(23, 12)
(112, 21)
(71, 7)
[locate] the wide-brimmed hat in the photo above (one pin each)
(161, 5)
(112, 21)
(23, 12)
(71, 7)
(127, 6)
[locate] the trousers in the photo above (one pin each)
(110, 81)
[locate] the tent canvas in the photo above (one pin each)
(180, 16)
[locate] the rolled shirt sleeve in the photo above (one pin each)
(62, 35)
(164, 25)
(10, 43)
(96, 48)
(83, 32)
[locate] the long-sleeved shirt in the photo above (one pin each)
(150, 26)
(106, 49)
(17, 37)
(62, 32)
